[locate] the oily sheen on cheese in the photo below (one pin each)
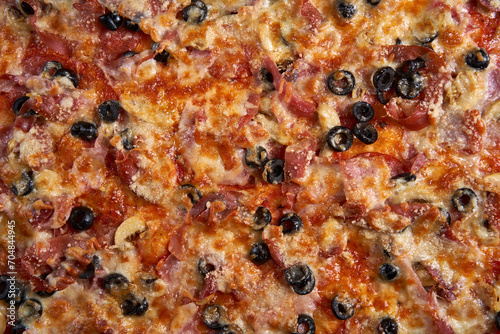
(164, 159)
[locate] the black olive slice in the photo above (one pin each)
(305, 325)
(290, 223)
(84, 130)
(273, 171)
(26, 7)
(30, 310)
(477, 59)
(365, 132)
(111, 21)
(341, 309)
(346, 9)
(18, 328)
(230, 329)
(267, 79)
(497, 320)
(116, 284)
(18, 104)
(129, 54)
(214, 316)
(45, 294)
(410, 67)
(143, 307)
(262, 217)
(191, 192)
(339, 138)
(81, 218)
(204, 267)
(388, 326)
(12, 289)
(445, 215)
(256, 156)
(429, 38)
(406, 177)
(307, 287)
(464, 200)
(24, 185)
(383, 79)
(196, 12)
(373, 2)
(67, 73)
(89, 270)
(409, 87)
(298, 274)
(259, 253)
(4, 286)
(381, 98)
(341, 82)
(51, 67)
(388, 272)
(362, 111)
(109, 111)
(131, 25)
(131, 305)
(127, 139)
(162, 57)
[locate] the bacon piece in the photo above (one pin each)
(364, 171)
(300, 106)
(55, 42)
(474, 130)
(229, 198)
(410, 210)
(311, 13)
(413, 114)
(272, 236)
(127, 165)
(56, 257)
(447, 289)
(24, 123)
(492, 5)
(252, 107)
(412, 279)
(6, 132)
(177, 245)
(298, 157)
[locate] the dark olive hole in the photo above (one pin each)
(342, 82)
(276, 171)
(288, 225)
(303, 328)
(464, 199)
(342, 309)
(340, 139)
(209, 267)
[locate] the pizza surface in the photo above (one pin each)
(250, 166)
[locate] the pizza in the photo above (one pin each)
(250, 166)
